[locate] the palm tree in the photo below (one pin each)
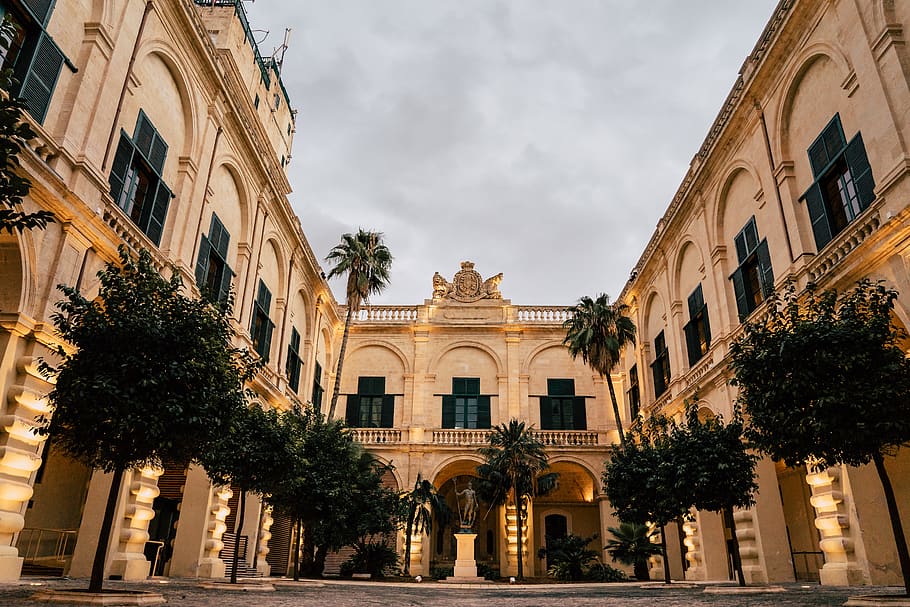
(516, 467)
(366, 261)
(598, 331)
(420, 504)
(631, 545)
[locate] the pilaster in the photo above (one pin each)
(832, 520)
(129, 562)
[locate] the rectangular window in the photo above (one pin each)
(34, 57)
(136, 183)
(661, 365)
(293, 362)
(634, 393)
(465, 407)
(697, 330)
(753, 280)
(560, 409)
(318, 390)
(213, 274)
(843, 184)
(261, 326)
(371, 407)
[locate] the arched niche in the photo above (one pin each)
(552, 361)
(374, 360)
(689, 271)
(467, 360)
(12, 274)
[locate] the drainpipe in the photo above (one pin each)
(205, 194)
(780, 202)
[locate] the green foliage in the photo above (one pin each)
(600, 572)
(367, 262)
(631, 545)
(420, 505)
(515, 467)
(151, 375)
(376, 558)
(598, 330)
(441, 573)
(487, 572)
(569, 556)
(824, 380)
(14, 132)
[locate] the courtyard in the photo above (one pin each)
(188, 593)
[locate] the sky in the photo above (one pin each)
(542, 139)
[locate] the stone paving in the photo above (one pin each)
(188, 593)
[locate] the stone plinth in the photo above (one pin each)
(465, 565)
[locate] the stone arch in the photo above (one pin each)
(245, 203)
(594, 475)
(405, 363)
(15, 277)
(655, 311)
(803, 64)
(434, 363)
(272, 251)
(526, 362)
(375, 358)
(392, 471)
(736, 171)
(452, 466)
(687, 252)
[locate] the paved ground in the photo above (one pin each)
(363, 594)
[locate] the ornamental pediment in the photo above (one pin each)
(467, 286)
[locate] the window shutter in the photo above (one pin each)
(707, 325)
(448, 411)
(860, 170)
(741, 252)
(696, 302)
(157, 153)
(267, 340)
(658, 373)
(158, 213)
(579, 417)
(818, 156)
(764, 268)
(828, 145)
(352, 410)
(40, 9)
(561, 387)
(472, 385)
(739, 292)
(818, 216)
(121, 166)
(483, 411)
(546, 413)
(202, 262)
(224, 289)
(219, 237)
(692, 346)
(41, 77)
(388, 412)
(144, 135)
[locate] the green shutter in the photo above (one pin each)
(692, 346)
(483, 412)
(224, 289)
(827, 147)
(121, 166)
(41, 77)
(696, 302)
(579, 417)
(202, 262)
(267, 340)
(352, 410)
(561, 387)
(658, 374)
(741, 250)
(448, 411)
(219, 237)
(765, 272)
(388, 411)
(861, 171)
(144, 134)
(818, 216)
(546, 413)
(707, 326)
(739, 291)
(40, 9)
(158, 214)
(158, 153)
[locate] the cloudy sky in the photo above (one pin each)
(538, 138)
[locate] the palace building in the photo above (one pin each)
(161, 125)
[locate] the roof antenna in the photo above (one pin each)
(278, 54)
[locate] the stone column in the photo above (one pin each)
(706, 544)
(200, 527)
(262, 547)
(832, 519)
(19, 448)
(129, 562)
(510, 515)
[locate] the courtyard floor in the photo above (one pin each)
(188, 593)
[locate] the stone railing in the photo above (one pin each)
(850, 238)
(542, 314)
(699, 370)
(385, 314)
(377, 436)
(131, 235)
(461, 437)
(566, 438)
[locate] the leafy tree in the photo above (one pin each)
(250, 456)
(823, 381)
(598, 330)
(13, 133)
(569, 555)
(166, 398)
(420, 505)
(515, 469)
(641, 481)
(631, 545)
(716, 466)
(366, 261)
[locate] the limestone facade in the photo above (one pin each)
(804, 177)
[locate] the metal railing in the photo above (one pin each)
(41, 545)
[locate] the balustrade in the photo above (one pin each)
(377, 436)
(542, 314)
(384, 314)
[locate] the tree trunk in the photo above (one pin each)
(663, 552)
(622, 436)
(734, 546)
(319, 560)
(903, 556)
(341, 351)
(104, 535)
(297, 552)
(241, 511)
(521, 572)
(640, 570)
(409, 528)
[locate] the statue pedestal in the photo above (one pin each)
(465, 565)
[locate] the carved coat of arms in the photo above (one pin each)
(467, 286)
